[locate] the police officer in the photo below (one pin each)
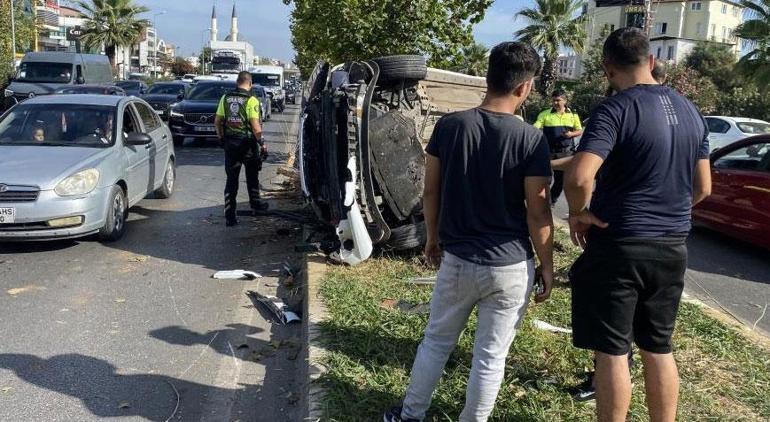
(240, 134)
(560, 126)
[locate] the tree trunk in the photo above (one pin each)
(548, 77)
(110, 51)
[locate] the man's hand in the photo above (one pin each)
(263, 152)
(579, 225)
(433, 254)
(547, 276)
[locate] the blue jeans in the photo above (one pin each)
(502, 295)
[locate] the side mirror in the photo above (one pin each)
(138, 138)
(80, 80)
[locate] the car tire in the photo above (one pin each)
(403, 67)
(117, 211)
(178, 141)
(169, 182)
(407, 237)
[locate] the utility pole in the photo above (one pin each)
(13, 37)
(155, 50)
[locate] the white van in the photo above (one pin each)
(45, 72)
(271, 78)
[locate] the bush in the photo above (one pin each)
(697, 88)
(744, 102)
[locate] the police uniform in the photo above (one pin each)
(554, 126)
(237, 109)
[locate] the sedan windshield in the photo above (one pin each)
(209, 92)
(170, 89)
(754, 128)
(45, 72)
(265, 79)
(99, 90)
(58, 125)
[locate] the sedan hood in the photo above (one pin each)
(45, 166)
(197, 107)
(38, 88)
(160, 98)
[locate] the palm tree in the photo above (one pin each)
(755, 65)
(112, 23)
(474, 60)
(553, 26)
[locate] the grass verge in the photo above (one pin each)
(372, 347)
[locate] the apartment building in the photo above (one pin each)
(568, 67)
(676, 26)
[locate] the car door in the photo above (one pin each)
(740, 200)
(159, 147)
(138, 170)
(718, 129)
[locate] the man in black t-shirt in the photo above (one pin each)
(646, 150)
(485, 205)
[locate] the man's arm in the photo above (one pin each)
(702, 183)
(540, 120)
(540, 222)
(431, 202)
(219, 120)
(578, 188)
(561, 164)
(577, 127)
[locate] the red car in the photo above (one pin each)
(739, 205)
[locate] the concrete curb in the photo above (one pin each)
(315, 313)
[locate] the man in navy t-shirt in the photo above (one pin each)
(645, 150)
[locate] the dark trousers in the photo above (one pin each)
(558, 185)
(239, 153)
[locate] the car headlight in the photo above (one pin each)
(8, 93)
(80, 183)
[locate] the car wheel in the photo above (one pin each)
(402, 67)
(169, 181)
(410, 236)
(178, 141)
(115, 223)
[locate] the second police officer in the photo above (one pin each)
(240, 133)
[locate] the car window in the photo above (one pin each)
(58, 125)
(753, 128)
(130, 124)
(717, 125)
(755, 157)
(149, 118)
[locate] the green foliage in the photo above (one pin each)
(205, 57)
(755, 65)
(474, 60)
(697, 88)
(745, 102)
(716, 62)
(25, 36)
(112, 23)
(346, 30)
(552, 26)
(181, 67)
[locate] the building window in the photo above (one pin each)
(698, 28)
(661, 27)
(724, 9)
(724, 34)
(713, 30)
(657, 54)
(612, 28)
(735, 11)
(696, 5)
(670, 55)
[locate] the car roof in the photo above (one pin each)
(87, 99)
(219, 82)
(739, 119)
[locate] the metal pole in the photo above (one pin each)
(13, 37)
(155, 51)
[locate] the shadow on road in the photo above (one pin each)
(714, 253)
(107, 393)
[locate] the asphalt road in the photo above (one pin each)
(725, 274)
(138, 329)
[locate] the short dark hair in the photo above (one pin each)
(510, 64)
(558, 93)
(659, 72)
(243, 78)
(626, 48)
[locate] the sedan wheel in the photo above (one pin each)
(169, 181)
(115, 223)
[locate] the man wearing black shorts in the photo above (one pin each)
(648, 146)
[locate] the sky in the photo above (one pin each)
(265, 24)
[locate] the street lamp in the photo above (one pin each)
(155, 50)
(203, 49)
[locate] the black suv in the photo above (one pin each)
(162, 94)
(193, 117)
(360, 157)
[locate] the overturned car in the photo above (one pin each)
(360, 152)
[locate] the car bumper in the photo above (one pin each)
(180, 128)
(31, 217)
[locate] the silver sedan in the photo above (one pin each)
(72, 165)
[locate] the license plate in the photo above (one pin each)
(205, 129)
(160, 112)
(7, 215)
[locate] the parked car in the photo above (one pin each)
(45, 72)
(74, 164)
(91, 89)
(193, 117)
(265, 102)
(135, 88)
(162, 94)
(739, 205)
(724, 130)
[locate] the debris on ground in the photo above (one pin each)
(138, 258)
(124, 405)
(276, 306)
(18, 290)
(422, 280)
(406, 307)
(236, 275)
(544, 326)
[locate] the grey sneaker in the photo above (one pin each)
(394, 415)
